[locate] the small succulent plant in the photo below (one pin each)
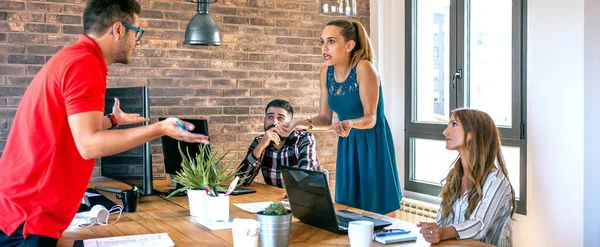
(275, 209)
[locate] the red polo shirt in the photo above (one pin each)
(42, 175)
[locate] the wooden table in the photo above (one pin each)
(156, 214)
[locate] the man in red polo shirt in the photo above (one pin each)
(59, 128)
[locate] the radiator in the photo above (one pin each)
(417, 211)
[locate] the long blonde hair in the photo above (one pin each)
(483, 149)
(354, 30)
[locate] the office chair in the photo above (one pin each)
(323, 170)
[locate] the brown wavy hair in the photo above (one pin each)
(354, 30)
(483, 150)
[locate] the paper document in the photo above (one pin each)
(253, 207)
(144, 240)
(404, 225)
(217, 225)
(396, 237)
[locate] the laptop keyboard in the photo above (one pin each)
(343, 221)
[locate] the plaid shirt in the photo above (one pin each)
(299, 150)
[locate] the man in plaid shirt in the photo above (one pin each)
(271, 151)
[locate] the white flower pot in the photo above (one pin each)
(197, 200)
(205, 207)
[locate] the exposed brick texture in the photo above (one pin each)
(269, 50)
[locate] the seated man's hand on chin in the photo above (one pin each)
(270, 136)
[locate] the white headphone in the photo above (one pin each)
(97, 215)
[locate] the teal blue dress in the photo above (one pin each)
(366, 172)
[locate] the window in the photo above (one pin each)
(479, 40)
(472, 73)
(436, 51)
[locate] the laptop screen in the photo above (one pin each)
(309, 196)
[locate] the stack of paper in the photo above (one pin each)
(144, 240)
(217, 225)
(253, 207)
(395, 238)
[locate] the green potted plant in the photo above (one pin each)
(275, 223)
(205, 170)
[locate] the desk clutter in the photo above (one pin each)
(242, 227)
(92, 198)
(95, 209)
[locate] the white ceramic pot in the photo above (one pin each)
(217, 208)
(197, 199)
(204, 207)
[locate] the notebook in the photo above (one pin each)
(311, 203)
(395, 238)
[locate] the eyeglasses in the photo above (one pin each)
(393, 230)
(138, 31)
(385, 232)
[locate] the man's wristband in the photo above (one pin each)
(113, 121)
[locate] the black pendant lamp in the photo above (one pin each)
(202, 29)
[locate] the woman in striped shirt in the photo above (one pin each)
(477, 197)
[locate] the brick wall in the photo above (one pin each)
(269, 50)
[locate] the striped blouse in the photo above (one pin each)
(487, 220)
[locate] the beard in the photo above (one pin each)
(123, 53)
(273, 126)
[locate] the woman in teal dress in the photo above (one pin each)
(366, 170)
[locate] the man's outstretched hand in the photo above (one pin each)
(126, 118)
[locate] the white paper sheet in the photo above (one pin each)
(217, 225)
(253, 207)
(144, 240)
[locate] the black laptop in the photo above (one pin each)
(311, 202)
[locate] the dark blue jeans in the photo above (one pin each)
(17, 240)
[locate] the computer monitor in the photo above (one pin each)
(134, 166)
(170, 147)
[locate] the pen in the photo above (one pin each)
(232, 185)
(215, 191)
(208, 192)
(181, 125)
(391, 233)
(86, 201)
